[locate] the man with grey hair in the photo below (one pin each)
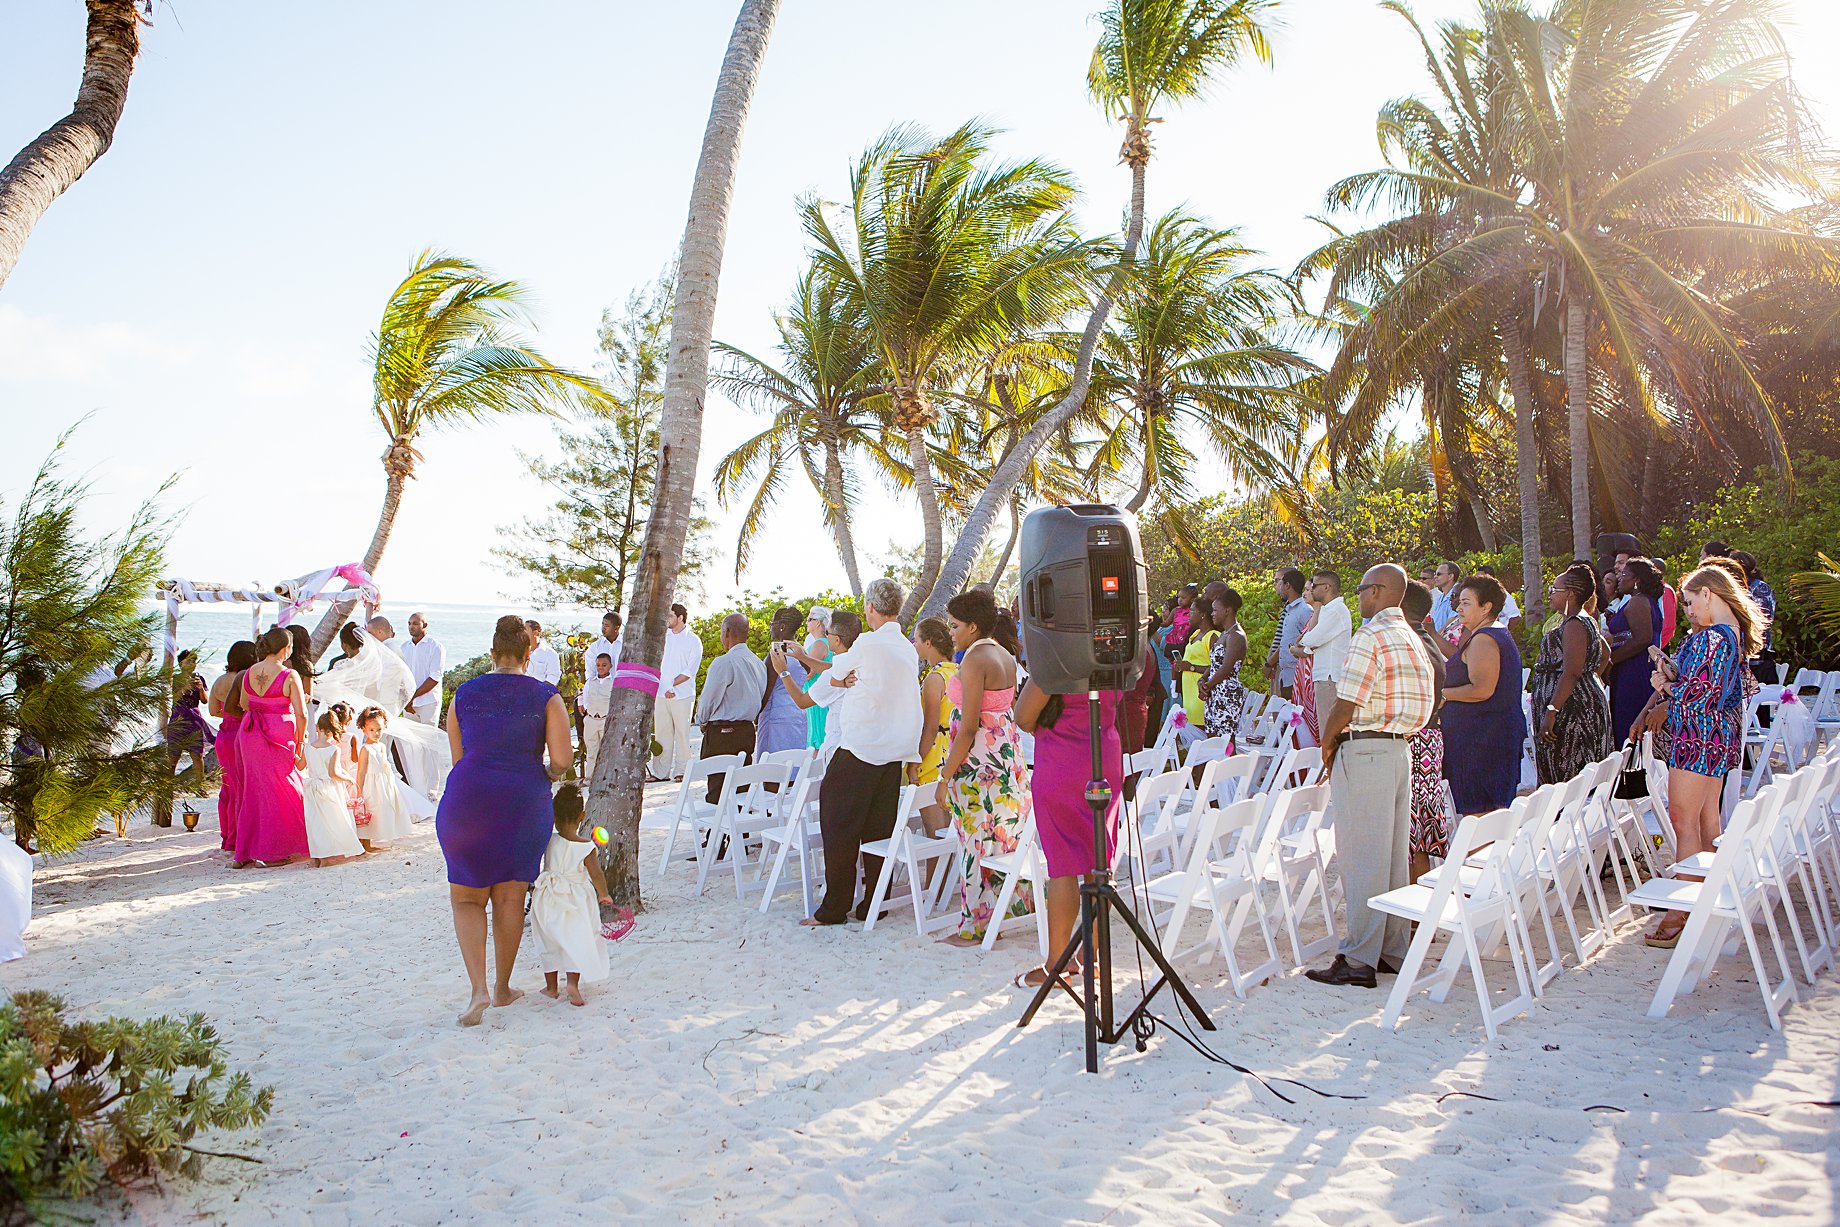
(871, 689)
(733, 691)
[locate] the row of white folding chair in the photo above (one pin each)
(1763, 742)
(1223, 877)
(693, 807)
(930, 867)
(752, 798)
(795, 840)
(1026, 864)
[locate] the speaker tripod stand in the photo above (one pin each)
(1099, 899)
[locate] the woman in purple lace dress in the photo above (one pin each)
(496, 815)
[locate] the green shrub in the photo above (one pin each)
(759, 609)
(118, 1100)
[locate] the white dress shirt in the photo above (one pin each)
(545, 664)
(427, 659)
(1509, 610)
(683, 655)
(1328, 641)
(603, 644)
(881, 712)
(596, 696)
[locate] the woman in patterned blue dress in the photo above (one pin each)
(1702, 693)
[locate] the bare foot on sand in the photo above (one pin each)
(552, 992)
(475, 1010)
(575, 997)
(506, 995)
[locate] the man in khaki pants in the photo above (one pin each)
(1386, 692)
(683, 656)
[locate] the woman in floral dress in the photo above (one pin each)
(1221, 689)
(1703, 696)
(984, 781)
(1571, 708)
(1429, 832)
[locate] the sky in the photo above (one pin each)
(201, 299)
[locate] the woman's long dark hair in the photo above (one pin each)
(300, 660)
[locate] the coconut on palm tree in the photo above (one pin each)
(821, 417)
(1150, 53)
(944, 255)
(448, 352)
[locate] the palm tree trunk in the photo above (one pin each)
(1009, 547)
(839, 516)
(931, 526)
(1526, 467)
(1148, 480)
(1578, 422)
(617, 791)
(1485, 524)
(1009, 474)
(396, 476)
(57, 157)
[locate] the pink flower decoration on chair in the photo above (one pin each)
(1180, 719)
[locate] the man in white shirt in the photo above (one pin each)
(1511, 611)
(610, 642)
(1327, 641)
(427, 661)
(1443, 595)
(870, 686)
(545, 665)
(384, 633)
(683, 656)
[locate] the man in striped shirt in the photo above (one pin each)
(1386, 692)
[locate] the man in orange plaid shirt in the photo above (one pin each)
(1385, 694)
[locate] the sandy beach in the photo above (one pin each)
(738, 1068)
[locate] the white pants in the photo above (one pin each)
(429, 712)
(593, 728)
(671, 725)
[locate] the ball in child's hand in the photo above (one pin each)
(601, 837)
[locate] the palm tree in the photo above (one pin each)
(822, 421)
(1150, 52)
(618, 784)
(449, 352)
(1190, 352)
(58, 156)
(943, 256)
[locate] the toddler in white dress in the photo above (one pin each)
(565, 904)
(378, 787)
(331, 833)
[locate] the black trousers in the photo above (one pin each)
(725, 737)
(857, 804)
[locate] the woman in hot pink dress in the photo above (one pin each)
(271, 820)
(227, 706)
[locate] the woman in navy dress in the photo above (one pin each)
(1485, 730)
(495, 817)
(1632, 630)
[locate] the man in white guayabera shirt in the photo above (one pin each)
(427, 661)
(683, 656)
(870, 687)
(545, 664)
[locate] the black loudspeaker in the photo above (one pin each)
(1083, 598)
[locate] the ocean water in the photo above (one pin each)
(464, 630)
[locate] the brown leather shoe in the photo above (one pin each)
(1388, 969)
(1344, 972)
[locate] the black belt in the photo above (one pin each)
(1369, 735)
(729, 726)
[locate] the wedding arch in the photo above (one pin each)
(292, 597)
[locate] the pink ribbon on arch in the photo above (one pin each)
(642, 678)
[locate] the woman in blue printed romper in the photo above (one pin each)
(1702, 691)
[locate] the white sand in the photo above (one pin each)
(739, 1068)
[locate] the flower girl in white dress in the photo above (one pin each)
(330, 830)
(378, 787)
(565, 905)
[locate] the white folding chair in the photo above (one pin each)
(903, 855)
(1026, 864)
(1476, 918)
(750, 795)
(692, 808)
(795, 839)
(1221, 877)
(1292, 860)
(1156, 820)
(1729, 895)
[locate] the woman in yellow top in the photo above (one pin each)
(1194, 666)
(933, 640)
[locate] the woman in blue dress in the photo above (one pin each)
(1632, 630)
(496, 815)
(1485, 730)
(1703, 696)
(782, 725)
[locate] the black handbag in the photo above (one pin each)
(1632, 777)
